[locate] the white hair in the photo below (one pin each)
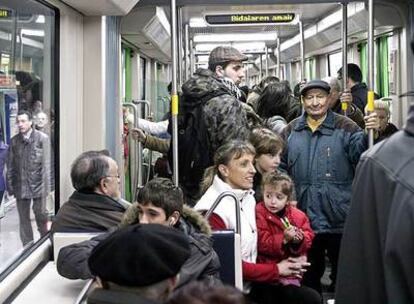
(334, 83)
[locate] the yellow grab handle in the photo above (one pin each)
(370, 101)
(174, 104)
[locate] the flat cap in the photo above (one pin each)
(140, 255)
(222, 54)
(315, 84)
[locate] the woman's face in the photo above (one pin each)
(239, 173)
(383, 119)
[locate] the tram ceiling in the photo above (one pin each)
(234, 2)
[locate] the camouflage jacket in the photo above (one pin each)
(224, 116)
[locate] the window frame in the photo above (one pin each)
(55, 90)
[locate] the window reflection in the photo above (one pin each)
(26, 126)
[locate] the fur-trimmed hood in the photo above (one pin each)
(189, 216)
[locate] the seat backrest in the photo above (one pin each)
(62, 239)
(228, 248)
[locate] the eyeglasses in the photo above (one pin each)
(117, 176)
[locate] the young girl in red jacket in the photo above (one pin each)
(283, 230)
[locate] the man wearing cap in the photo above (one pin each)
(322, 151)
(138, 264)
(224, 118)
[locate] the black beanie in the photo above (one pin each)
(140, 255)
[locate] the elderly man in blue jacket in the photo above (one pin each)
(322, 151)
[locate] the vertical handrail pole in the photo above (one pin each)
(278, 70)
(370, 99)
(192, 58)
(344, 105)
(247, 75)
(180, 46)
(133, 153)
(302, 51)
(174, 95)
(187, 52)
(139, 182)
(13, 42)
(261, 67)
(267, 61)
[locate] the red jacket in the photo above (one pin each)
(270, 230)
(260, 272)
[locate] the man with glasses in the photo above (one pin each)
(322, 151)
(96, 204)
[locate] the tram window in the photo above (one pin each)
(27, 120)
(335, 63)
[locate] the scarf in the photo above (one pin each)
(231, 86)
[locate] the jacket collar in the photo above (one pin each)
(409, 127)
(358, 86)
(221, 186)
(97, 199)
(327, 127)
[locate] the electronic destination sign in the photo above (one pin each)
(249, 19)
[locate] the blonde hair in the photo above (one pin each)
(224, 154)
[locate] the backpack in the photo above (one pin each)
(194, 149)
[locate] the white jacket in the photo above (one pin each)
(227, 213)
(154, 128)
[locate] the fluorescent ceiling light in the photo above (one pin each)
(325, 23)
(236, 37)
(241, 46)
(38, 33)
(40, 19)
(197, 22)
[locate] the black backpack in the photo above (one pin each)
(194, 149)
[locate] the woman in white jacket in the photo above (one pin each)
(234, 170)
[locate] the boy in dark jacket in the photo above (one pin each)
(283, 231)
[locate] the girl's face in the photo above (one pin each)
(239, 173)
(274, 199)
(267, 162)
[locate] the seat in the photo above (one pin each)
(62, 239)
(227, 246)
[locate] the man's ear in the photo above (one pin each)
(219, 71)
(173, 218)
(102, 185)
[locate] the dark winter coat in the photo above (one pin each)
(270, 230)
(322, 166)
(106, 296)
(389, 130)
(203, 263)
(360, 95)
(224, 116)
(353, 113)
(376, 259)
(88, 212)
(28, 166)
